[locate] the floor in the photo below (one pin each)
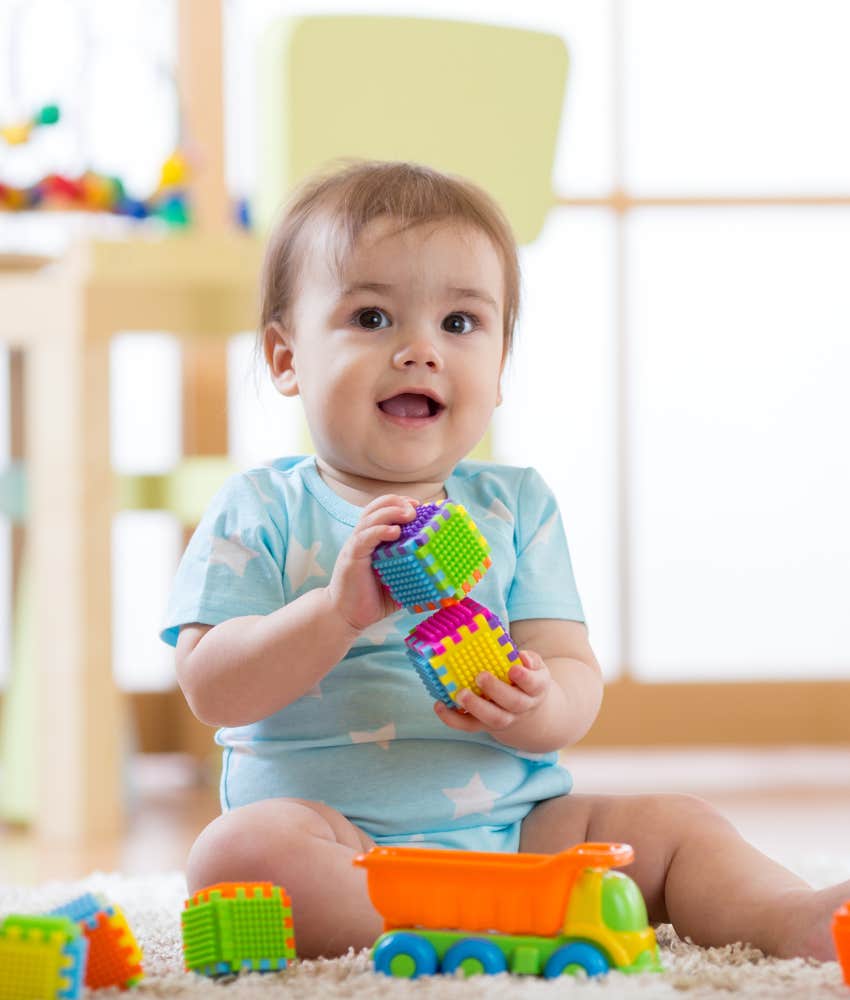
(787, 802)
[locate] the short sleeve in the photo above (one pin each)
(233, 564)
(543, 584)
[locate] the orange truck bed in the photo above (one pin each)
(480, 891)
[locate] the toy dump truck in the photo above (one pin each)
(537, 914)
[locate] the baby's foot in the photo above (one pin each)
(805, 925)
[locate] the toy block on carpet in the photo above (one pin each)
(41, 958)
(236, 926)
(114, 955)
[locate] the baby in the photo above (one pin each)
(390, 294)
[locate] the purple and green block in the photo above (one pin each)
(454, 645)
(436, 560)
(41, 958)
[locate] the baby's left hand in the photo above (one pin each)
(502, 704)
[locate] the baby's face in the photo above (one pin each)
(398, 360)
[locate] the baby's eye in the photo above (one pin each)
(372, 319)
(459, 323)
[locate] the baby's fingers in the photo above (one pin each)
(457, 720)
(506, 696)
(488, 712)
(364, 540)
(385, 508)
(531, 675)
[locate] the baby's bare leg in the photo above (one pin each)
(307, 848)
(695, 870)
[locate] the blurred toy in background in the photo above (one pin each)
(96, 192)
(86, 942)
(841, 936)
(114, 956)
(91, 190)
(18, 134)
(69, 188)
(41, 957)
(170, 199)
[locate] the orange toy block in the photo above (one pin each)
(114, 956)
(841, 936)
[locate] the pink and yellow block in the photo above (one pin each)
(456, 644)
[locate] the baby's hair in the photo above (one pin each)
(345, 201)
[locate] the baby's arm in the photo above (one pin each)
(555, 696)
(248, 668)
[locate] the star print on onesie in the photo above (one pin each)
(232, 553)
(302, 564)
(474, 797)
(544, 532)
(382, 736)
(498, 510)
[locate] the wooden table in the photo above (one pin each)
(62, 316)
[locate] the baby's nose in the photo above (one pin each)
(420, 351)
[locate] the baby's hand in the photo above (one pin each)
(355, 590)
(502, 704)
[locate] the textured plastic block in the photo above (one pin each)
(41, 958)
(436, 560)
(237, 926)
(454, 645)
(114, 956)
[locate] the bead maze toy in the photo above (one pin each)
(114, 957)
(436, 560)
(95, 192)
(238, 926)
(20, 132)
(532, 914)
(453, 646)
(41, 958)
(841, 936)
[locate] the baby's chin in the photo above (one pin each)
(393, 476)
(409, 464)
(415, 471)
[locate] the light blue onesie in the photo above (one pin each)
(365, 739)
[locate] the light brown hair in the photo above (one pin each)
(348, 199)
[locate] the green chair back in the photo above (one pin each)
(473, 99)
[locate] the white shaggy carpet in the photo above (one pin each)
(152, 905)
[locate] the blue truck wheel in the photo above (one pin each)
(480, 954)
(405, 956)
(572, 957)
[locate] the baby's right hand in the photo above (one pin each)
(355, 590)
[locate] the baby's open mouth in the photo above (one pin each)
(410, 405)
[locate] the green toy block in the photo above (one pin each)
(236, 926)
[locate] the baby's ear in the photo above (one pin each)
(277, 347)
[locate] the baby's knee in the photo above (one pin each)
(676, 810)
(248, 843)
